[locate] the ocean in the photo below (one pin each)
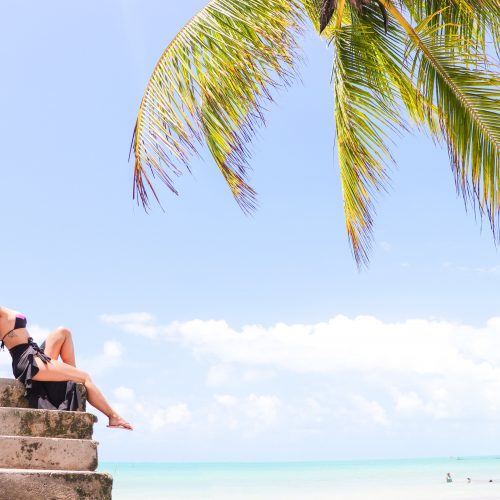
(415, 479)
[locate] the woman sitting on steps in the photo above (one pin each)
(50, 383)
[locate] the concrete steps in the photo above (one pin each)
(47, 453)
(54, 485)
(54, 424)
(12, 394)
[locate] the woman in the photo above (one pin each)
(40, 371)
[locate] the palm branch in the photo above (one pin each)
(211, 84)
(423, 63)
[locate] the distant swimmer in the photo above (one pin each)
(448, 478)
(468, 479)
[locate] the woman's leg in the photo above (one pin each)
(60, 343)
(56, 371)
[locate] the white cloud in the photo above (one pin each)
(224, 374)
(177, 414)
(256, 375)
(218, 375)
(311, 412)
(364, 343)
(371, 409)
(5, 359)
(124, 393)
(110, 357)
(149, 413)
(226, 400)
(113, 349)
(263, 408)
(489, 270)
(409, 403)
(5, 362)
(136, 323)
(251, 414)
(38, 333)
(429, 368)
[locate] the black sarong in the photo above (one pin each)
(42, 395)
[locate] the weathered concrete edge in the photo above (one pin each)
(39, 453)
(20, 484)
(46, 423)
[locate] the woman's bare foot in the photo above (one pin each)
(117, 422)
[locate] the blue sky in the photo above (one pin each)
(174, 312)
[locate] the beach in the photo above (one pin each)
(270, 231)
(418, 479)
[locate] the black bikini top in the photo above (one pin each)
(21, 322)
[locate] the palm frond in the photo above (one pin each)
(473, 22)
(370, 82)
(210, 84)
(467, 95)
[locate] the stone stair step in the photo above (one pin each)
(47, 453)
(17, 484)
(46, 423)
(12, 394)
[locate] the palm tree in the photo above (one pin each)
(416, 63)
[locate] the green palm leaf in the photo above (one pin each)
(372, 85)
(474, 22)
(466, 93)
(212, 81)
(210, 84)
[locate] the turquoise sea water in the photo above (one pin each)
(419, 479)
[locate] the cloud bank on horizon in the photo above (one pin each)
(434, 369)
(363, 343)
(308, 387)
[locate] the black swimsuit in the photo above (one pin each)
(43, 395)
(20, 322)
